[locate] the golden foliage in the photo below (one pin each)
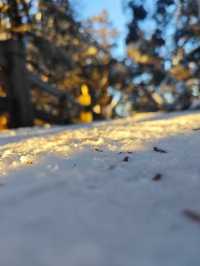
(91, 51)
(6, 30)
(97, 109)
(86, 117)
(4, 7)
(44, 78)
(104, 80)
(22, 28)
(178, 57)
(4, 35)
(159, 100)
(3, 121)
(38, 16)
(180, 73)
(85, 98)
(138, 57)
(2, 92)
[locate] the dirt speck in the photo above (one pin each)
(157, 177)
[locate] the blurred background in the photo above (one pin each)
(64, 62)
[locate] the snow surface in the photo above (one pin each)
(88, 195)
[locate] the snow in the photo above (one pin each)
(87, 196)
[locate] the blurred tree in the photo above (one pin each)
(79, 58)
(164, 43)
(13, 23)
(102, 30)
(72, 57)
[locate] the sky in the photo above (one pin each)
(116, 13)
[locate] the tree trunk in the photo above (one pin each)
(18, 88)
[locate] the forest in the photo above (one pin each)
(56, 68)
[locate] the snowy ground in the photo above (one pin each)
(121, 193)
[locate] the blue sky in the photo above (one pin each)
(117, 16)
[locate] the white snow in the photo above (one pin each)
(70, 196)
